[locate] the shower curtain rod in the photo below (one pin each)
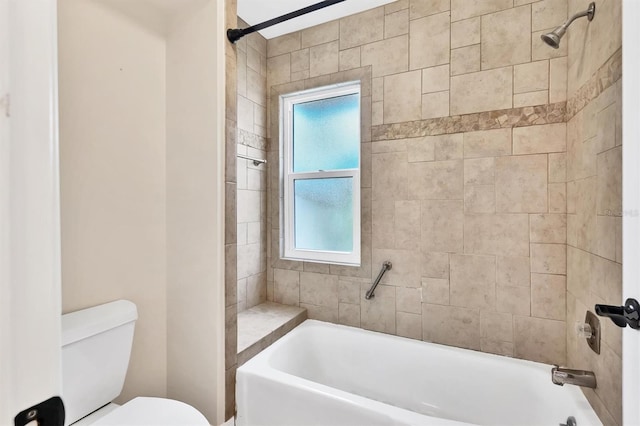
(236, 34)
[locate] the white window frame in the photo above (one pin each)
(288, 177)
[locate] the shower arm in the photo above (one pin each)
(236, 34)
(589, 13)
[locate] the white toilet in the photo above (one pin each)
(96, 344)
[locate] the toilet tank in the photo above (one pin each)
(96, 344)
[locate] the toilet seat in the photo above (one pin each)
(146, 411)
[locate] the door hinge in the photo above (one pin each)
(5, 104)
(47, 413)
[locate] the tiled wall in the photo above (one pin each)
(468, 172)
(252, 179)
(230, 267)
(463, 173)
(594, 196)
(245, 269)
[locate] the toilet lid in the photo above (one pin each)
(144, 411)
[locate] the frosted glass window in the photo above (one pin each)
(320, 171)
(324, 214)
(326, 134)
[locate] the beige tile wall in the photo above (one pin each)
(474, 222)
(594, 197)
(251, 179)
(488, 204)
(231, 200)
(591, 44)
(594, 237)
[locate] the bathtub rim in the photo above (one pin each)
(262, 366)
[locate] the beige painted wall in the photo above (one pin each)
(594, 196)
(195, 208)
(112, 154)
(142, 134)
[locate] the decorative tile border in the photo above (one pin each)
(606, 75)
(506, 118)
(559, 112)
(252, 140)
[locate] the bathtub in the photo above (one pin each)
(331, 375)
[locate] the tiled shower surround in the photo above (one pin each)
(252, 179)
(594, 196)
(494, 194)
(230, 226)
(464, 176)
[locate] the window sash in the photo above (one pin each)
(288, 178)
(321, 256)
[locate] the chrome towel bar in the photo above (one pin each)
(256, 161)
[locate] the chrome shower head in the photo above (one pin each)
(553, 38)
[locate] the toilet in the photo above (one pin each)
(96, 345)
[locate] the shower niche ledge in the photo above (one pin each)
(261, 325)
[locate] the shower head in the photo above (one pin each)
(553, 38)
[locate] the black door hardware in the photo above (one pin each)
(629, 314)
(48, 413)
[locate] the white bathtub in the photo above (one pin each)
(326, 374)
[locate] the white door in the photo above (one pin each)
(631, 204)
(29, 211)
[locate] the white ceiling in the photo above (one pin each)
(256, 11)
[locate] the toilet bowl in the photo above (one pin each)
(96, 345)
(145, 411)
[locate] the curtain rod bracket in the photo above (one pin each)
(236, 34)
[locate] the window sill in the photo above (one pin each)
(323, 262)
